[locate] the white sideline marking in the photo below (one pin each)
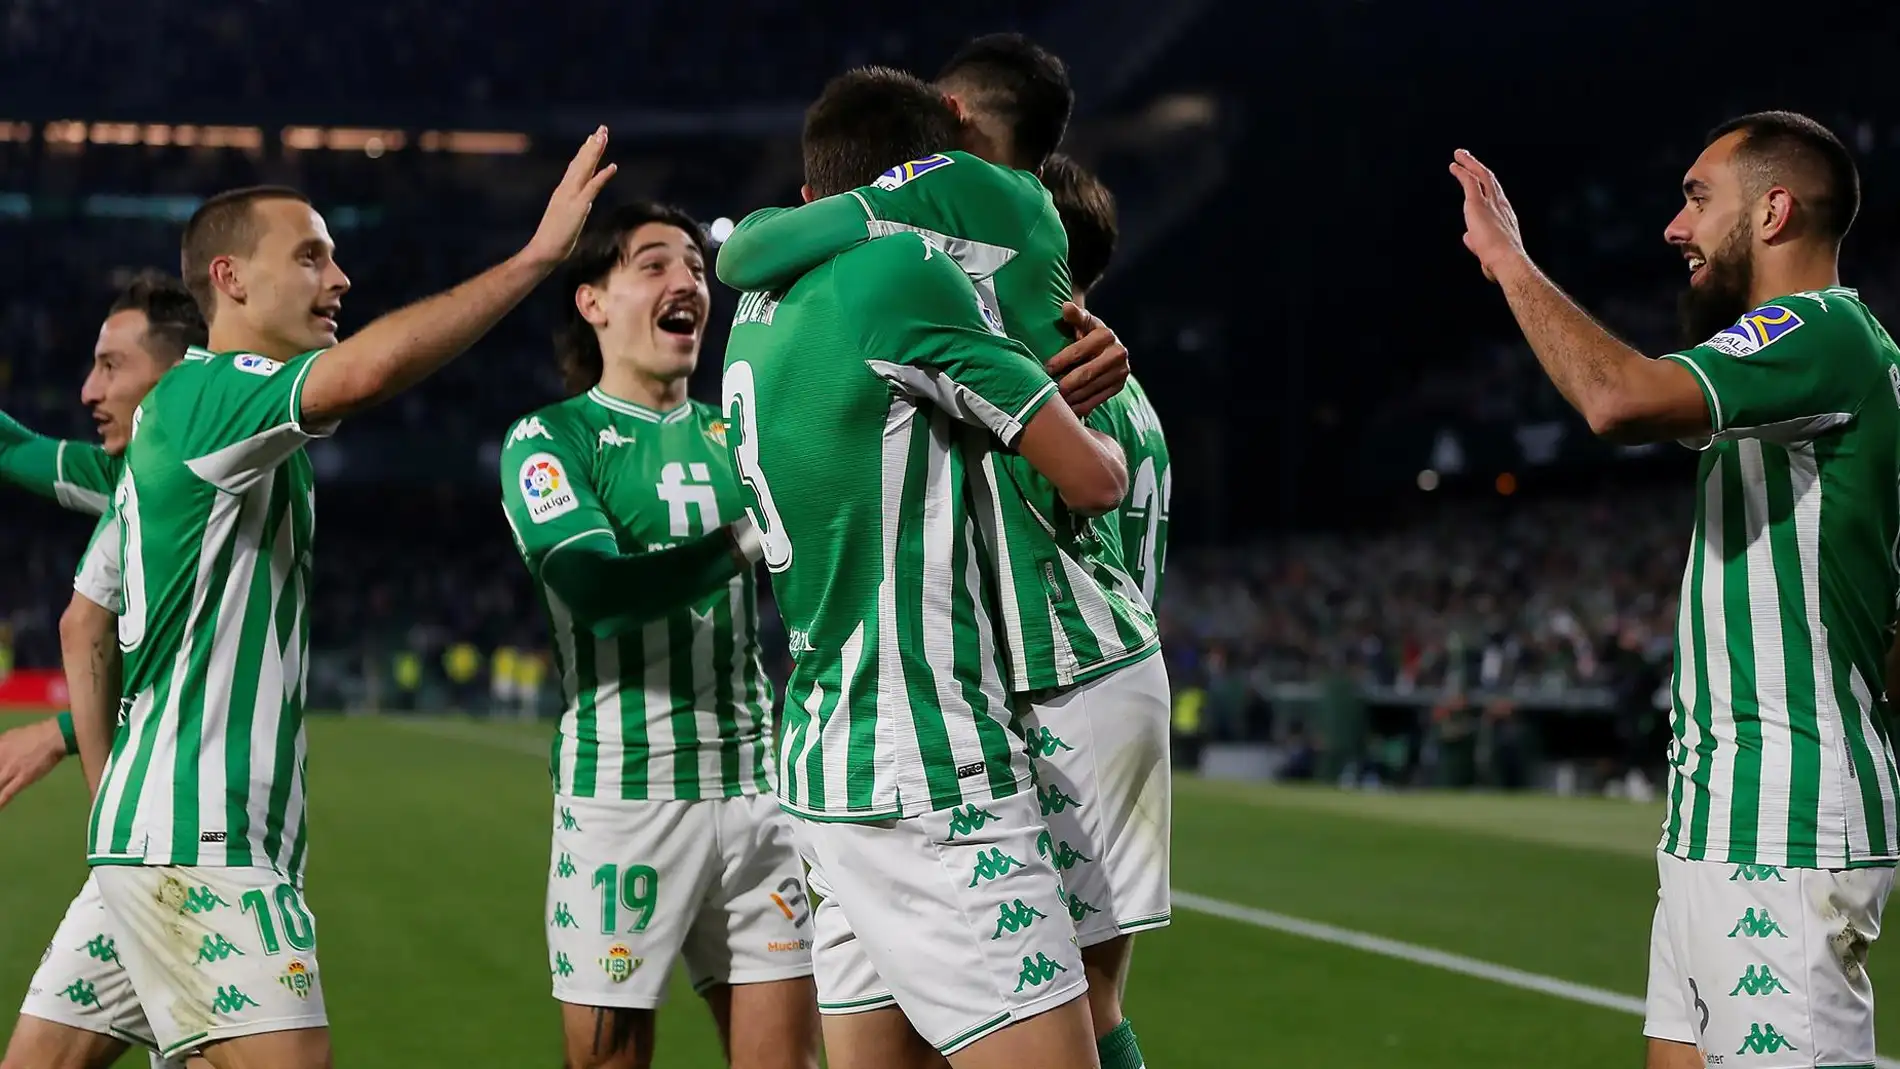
(1259, 918)
(1418, 955)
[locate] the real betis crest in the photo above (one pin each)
(716, 430)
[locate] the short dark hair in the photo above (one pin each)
(1781, 147)
(1022, 85)
(602, 247)
(869, 120)
(225, 225)
(1088, 214)
(173, 320)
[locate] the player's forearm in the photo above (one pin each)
(1587, 364)
(406, 346)
(610, 592)
(772, 247)
(1117, 460)
(89, 651)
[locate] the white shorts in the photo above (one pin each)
(214, 953)
(1765, 967)
(632, 885)
(81, 983)
(952, 916)
(1100, 754)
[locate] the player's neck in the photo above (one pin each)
(1795, 271)
(627, 384)
(238, 337)
(988, 141)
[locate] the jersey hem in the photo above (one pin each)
(1096, 671)
(718, 794)
(1720, 855)
(900, 813)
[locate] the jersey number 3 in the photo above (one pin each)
(742, 419)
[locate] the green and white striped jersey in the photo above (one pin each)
(846, 399)
(1070, 612)
(217, 512)
(666, 697)
(1783, 751)
(1130, 419)
(99, 577)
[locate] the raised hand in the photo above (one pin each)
(567, 209)
(27, 754)
(1491, 231)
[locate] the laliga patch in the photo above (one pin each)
(545, 489)
(903, 173)
(1756, 331)
(257, 365)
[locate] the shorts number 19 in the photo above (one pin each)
(637, 889)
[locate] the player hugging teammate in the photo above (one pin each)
(976, 718)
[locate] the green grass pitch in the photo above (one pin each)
(429, 856)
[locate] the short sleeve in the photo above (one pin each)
(1785, 371)
(924, 330)
(248, 418)
(545, 490)
(100, 577)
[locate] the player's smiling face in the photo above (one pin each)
(1715, 235)
(293, 287)
(123, 372)
(652, 310)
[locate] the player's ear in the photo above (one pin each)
(805, 191)
(1773, 213)
(225, 278)
(956, 108)
(587, 302)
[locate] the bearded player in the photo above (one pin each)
(1779, 840)
(668, 844)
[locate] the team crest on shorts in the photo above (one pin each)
(298, 979)
(619, 963)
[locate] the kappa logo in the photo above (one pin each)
(532, 427)
(257, 365)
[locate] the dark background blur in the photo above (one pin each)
(1378, 495)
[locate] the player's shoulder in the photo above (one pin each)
(1797, 321)
(223, 365)
(888, 262)
(550, 424)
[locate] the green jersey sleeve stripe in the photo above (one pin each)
(1708, 390)
(320, 430)
(571, 539)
